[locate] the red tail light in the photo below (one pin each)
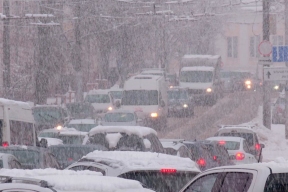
(168, 170)
(257, 146)
(215, 158)
(222, 142)
(70, 159)
(239, 156)
(201, 162)
(5, 144)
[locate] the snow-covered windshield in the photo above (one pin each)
(100, 98)
(140, 97)
(119, 117)
(177, 95)
(196, 76)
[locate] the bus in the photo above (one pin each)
(17, 125)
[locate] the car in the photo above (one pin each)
(121, 118)
(66, 135)
(8, 161)
(84, 125)
(246, 132)
(32, 157)
(176, 147)
(51, 180)
(172, 80)
(218, 152)
(201, 154)
(247, 177)
(179, 103)
(278, 110)
(101, 100)
(159, 172)
(125, 138)
(237, 148)
(68, 154)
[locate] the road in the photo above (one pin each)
(235, 108)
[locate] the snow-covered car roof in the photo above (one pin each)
(238, 127)
(63, 129)
(236, 139)
(68, 180)
(98, 91)
(73, 133)
(134, 160)
(174, 144)
(82, 121)
(198, 68)
(129, 130)
(51, 141)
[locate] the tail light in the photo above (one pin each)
(201, 162)
(239, 156)
(215, 158)
(257, 146)
(5, 144)
(222, 142)
(168, 170)
(70, 159)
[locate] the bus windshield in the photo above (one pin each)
(140, 97)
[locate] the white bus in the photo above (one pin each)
(17, 125)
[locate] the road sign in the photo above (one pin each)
(265, 48)
(264, 61)
(280, 54)
(275, 74)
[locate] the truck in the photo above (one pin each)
(147, 96)
(200, 74)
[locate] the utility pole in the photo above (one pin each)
(6, 48)
(266, 91)
(286, 87)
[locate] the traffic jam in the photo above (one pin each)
(144, 96)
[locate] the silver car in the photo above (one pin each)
(121, 118)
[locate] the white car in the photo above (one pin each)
(51, 180)
(237, 148)
(176, 147)
(101, 100)
(159, 172)
(121, 118)
(8, 161)
(84, 125)
(266, 177)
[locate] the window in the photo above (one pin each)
(13, 164)
(96, 169)
(277, 182)
(236, 182)
(254, 43)
(156, 145)
(245, 147)
(278, 40)
(79, 168)
(232, 47)
(196, 76)
(203, 184)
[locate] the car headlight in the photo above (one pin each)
(276, 87)
(248, 82)
(59, 127)
(208, 90)
(110, 108)
(185, 105)
(154, 114)
(248, 86)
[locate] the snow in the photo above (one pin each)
(67, 180)
(82, 121)
(39, 15)
(199, 68)
(212, 57)
(52, 141)
(99, 91)
(236, 139)
(142, 160)
(113, 139)
(147, 143)
(136, 130)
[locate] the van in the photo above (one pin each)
(147, 95)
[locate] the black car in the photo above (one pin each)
(32, 157)
(218, 152)
(68, 154)
(179, 103)
(201, 155)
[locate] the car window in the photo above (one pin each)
(184, 152)
(97, 169)
(236, 182)
(203, 184)
(13, 164)
(50, 161)
(156, 145)
(79, 168)
(247, 136)
(245, 147)
(277, 183)
(193, 150)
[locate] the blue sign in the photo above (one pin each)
(280, 54)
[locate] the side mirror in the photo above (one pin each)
(262, 145)
(43, 143)
(162, 103)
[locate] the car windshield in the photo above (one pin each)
(247, 136)
(48, 115)
(177, 95)
(119, 117)
(116, 94)
(231, 145)
(1, 164)
(72, 139)
(29, 157)
(140, 97)
(82, 127)
(196, 76)
(160, 182)
(49, 134)
(99, 98)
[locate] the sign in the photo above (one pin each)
(264, 61)
(280, 54)
(275, 74)
(265, 48)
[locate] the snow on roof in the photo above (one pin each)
(68, 180)
(52, 141)
(198, 68)
(142, 160)
(236, 139)
(213, 57)
(143, 82)
(238, 127)
(74, 133)
(98, 91)
(82, 121)
(136, 130)
(176, 146)
(61, 130)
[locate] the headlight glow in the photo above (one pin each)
(276, 87)
(248, 86)
(248, 82)
(110, 108)
(154, 114)
(185, 105)
(59, 127)
(208, 90)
